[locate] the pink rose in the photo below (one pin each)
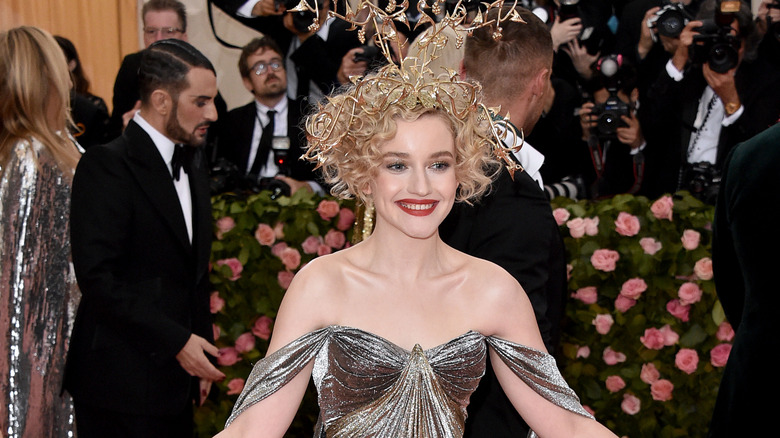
(720, 355)
(227, 356)
(703, 268)
(678, 310)
(690, 239)
(612, 357)
(615, 383)
(649, 245)
(278, 249)
(653, 339)
(649, 373)
(235, 267)
(687, 360)
(216, 303)
(346, 219)
(604, 259)
(622, 303)
(328, 209)
(291, 258)
(224, 224)
(662, 208)
(245, 342)
(689, 293)
(587, 295)
(235, 386)
(279, 230)
(335, 239)
(311, 244)
(324, 250)
(603, 323)
(561, 215)
(670, 336)
(216, 331)
(725, 332)
(661, 390)
(583, 352)
(576, 227)
(631, 404)
(591, 225)
(285, 278)
(262, 327)
(633, 288)
(265, 235)
(627, 224)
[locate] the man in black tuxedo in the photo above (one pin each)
(141, 238)
(513, 225)
(265, 138)
(745, 279)
(312, 58)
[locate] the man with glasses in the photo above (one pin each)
(264, 138)
(162, 19)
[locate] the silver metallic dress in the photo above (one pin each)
(38, 295)
(370, 387)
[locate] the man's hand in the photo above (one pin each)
(294, 184)
(349, 67)
(646, 34)
(587, 121)
(195, 362)
(723, 84)
(631, 134)
(580, 58)
(264, 8)
(680, 57)
(563, 32)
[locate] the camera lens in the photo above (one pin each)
(671, 23)
(722, 58)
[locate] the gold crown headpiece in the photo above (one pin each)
(411, 82)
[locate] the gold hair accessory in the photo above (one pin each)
(411, 82)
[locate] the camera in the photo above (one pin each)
(611, 72)
(569, 9)
(669, 20)
(714, 44)
(302, 19)
(702, 180)
(225, 177)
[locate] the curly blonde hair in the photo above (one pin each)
(346, 131)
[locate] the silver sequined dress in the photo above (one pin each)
(370, 387)
(38, 295)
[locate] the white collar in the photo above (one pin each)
(280, 107)
(163, 144)
(531, 159)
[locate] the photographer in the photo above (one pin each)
(313, 56)
(259, 143)
(611, 131)
(703, 103)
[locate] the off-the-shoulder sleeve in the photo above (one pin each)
(277, 369)
(539, 371)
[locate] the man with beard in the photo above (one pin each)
(141, 238)
(264, 138)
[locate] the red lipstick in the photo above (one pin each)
(417, 207)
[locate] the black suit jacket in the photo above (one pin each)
(513, 227)
(746, 282)
(144, 286)
(235, 139)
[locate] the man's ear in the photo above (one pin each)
(161, 101)
(540, 82)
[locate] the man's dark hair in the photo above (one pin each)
(252, 47)
(505, 66)
(167, 5)
(165, 64)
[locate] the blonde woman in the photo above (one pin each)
(38, 293)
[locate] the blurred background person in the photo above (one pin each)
(38, 292)
(89, 112)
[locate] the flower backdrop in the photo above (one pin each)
(645, 339)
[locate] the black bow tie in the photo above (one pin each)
(182, 159)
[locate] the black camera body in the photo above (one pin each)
(609, 114)
(569, 9)
(669, 20)
(702, 180)
(715, 46)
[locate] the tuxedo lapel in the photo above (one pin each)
(152, 175)
(245, 128)
(201, 213)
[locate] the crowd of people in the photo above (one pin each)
(106, 229)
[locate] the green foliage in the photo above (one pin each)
(307, 225)
(583, 363)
